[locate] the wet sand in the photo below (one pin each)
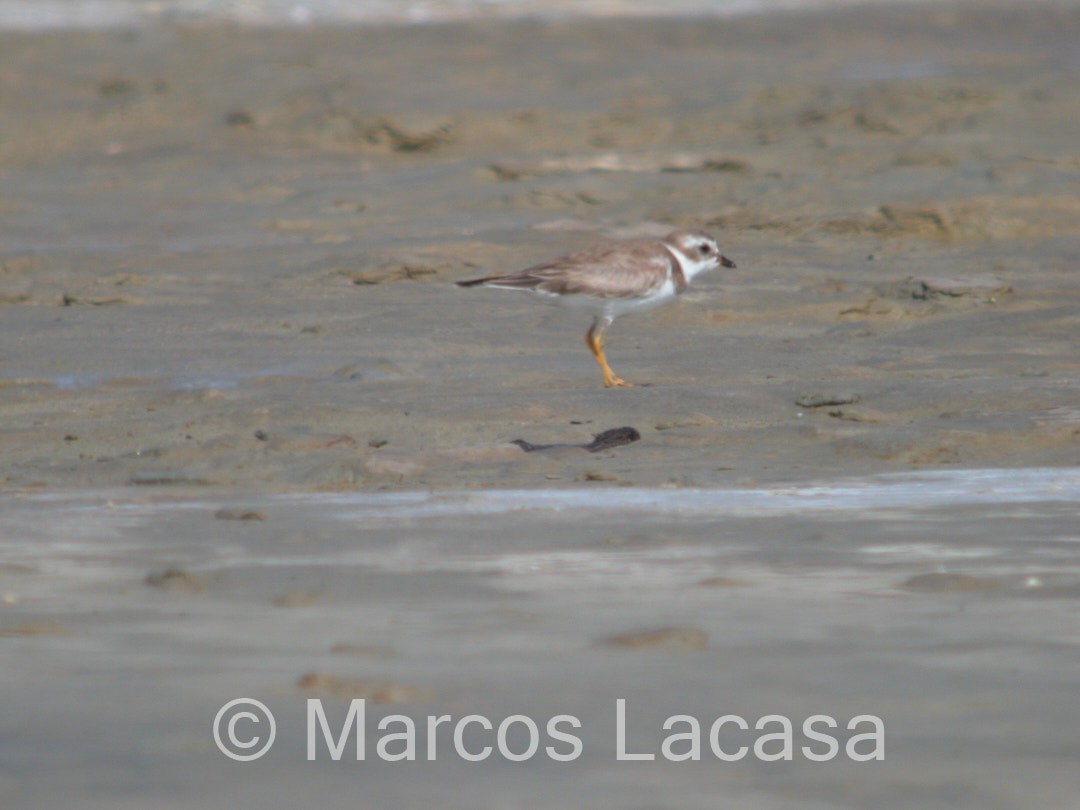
(943, 603)
(212, 233)
(229, 332)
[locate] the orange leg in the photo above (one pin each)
(594, 339)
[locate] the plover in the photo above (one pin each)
(613, 279)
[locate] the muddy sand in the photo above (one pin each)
(227, 254)
(256, 443)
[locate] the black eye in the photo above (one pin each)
(705, 248)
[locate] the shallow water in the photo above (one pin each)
(61, 14)
(943, 603)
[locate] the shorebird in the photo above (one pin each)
(616, 278)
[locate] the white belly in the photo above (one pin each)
(614, 307)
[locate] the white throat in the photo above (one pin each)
(689, 266)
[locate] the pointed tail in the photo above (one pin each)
(474, 282)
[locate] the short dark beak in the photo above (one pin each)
(726, 262)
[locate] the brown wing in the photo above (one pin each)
(624, 270)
